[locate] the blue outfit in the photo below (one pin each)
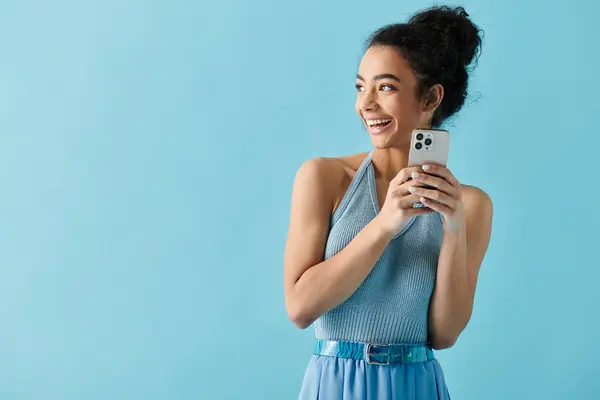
(390, 307)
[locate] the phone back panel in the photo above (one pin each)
(429, 146)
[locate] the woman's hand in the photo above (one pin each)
(444, 197)
(398, 205)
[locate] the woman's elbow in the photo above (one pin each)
(301, 323)
(443, 342)
(299, 317)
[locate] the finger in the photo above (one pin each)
(442, 172)
(439, 207)
(407, 203)
(413, 212)
(433, 194)
(405, 175)
(403, 189)
(405, 200)
(434, 181)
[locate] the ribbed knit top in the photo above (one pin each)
(391, 305)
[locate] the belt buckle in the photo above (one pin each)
(368, 354)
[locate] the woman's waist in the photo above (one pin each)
(375, 353)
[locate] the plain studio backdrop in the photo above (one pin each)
(147, 155)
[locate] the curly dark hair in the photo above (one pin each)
(439, 43)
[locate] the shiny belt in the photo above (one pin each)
(372, 353)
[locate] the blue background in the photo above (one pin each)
(147, 153)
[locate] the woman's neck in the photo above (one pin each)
(388, 162)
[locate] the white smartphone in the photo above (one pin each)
(429, 146)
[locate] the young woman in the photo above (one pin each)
(384, 282)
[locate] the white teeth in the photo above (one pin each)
(372, 122)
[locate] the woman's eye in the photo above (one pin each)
(384, 87)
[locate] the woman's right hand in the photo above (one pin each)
(398, 205)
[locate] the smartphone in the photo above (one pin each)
(429, 146)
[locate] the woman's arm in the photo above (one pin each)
(313, 286)
(461, 255)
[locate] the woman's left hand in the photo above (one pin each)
(444, 197)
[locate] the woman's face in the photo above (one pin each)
(387, 98)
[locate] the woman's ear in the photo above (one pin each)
(433, 98)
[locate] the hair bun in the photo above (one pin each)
(455, 27)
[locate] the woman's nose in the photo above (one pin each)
(368, 102)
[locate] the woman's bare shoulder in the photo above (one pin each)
(335, 172)
(474, 192)
(476, 200)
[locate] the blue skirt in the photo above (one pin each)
(333, 378)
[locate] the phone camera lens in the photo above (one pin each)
(418, 146)
(427, 142)
(419, 136)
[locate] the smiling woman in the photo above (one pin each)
(377, 124)
(386, 283)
